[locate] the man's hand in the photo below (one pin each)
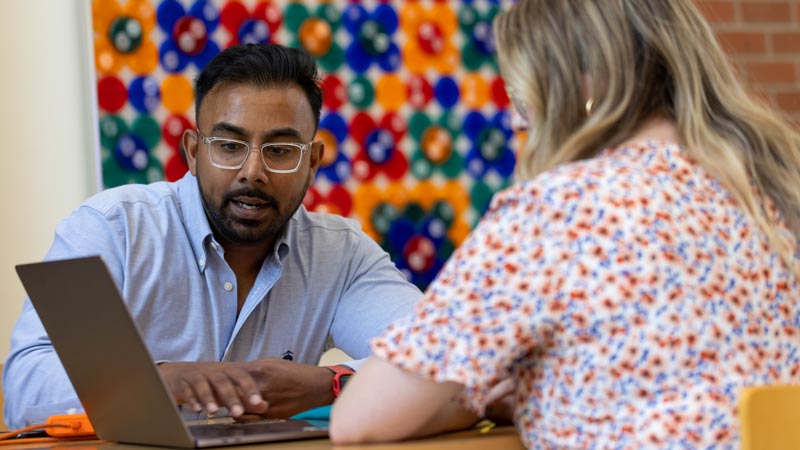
(209, 385)
(270, 387)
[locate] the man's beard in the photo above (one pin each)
(245, 232)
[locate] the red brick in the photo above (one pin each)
(717, 11)
(743, 41)
(788, 101)
(771, 72)
(788, 42)
(766, 12)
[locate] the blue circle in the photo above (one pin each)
(144, 94)
(131, 152)
(446, 92)
(482, 37)
(387, 17)
(334, 123)
(390, 60)
(399, 232)
(352, 18)
(357, 58)
(379, 145)
(474, 123)
(172, 59)
(211, 50)
(253, 31)
(168, 12)
(206, 12)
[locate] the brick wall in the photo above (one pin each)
(762, 38)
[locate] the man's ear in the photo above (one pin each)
(315, 156)
(189, 146)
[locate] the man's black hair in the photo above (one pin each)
(264, 66)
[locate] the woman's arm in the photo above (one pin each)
(384, 403)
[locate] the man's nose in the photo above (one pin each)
(253, 168)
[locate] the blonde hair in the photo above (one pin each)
(644, 58)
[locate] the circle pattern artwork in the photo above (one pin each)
(414, 136)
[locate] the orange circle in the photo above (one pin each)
(447, 61)
(454, 193)
(145, 60)
(410, 17)
(143, 11)
(316, 36)
(425, 193)
(330, 150)
(414, 59)
(396, 194)
(437, 144)
(474, 91)
(103, 13)
(106, 59)
(390, 91)
(176, 94)
(445, 17)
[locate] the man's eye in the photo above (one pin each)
(231, 147)
(279, 150)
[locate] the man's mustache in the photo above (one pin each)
(252, 193)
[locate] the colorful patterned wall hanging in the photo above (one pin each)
(414, 121)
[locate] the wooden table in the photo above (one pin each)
(497, 438)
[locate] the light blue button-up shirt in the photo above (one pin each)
(326, 283)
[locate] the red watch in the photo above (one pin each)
(340, 376)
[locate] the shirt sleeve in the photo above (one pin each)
(376, 294)
(35, 384)
(475, 322)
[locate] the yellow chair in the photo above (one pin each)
(769, 417)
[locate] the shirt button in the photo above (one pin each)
(201, 262)
(228, 286)
(214, 245)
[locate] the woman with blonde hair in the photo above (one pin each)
(642, 270)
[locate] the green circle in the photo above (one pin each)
(480, 195)
(332, 61)
(360, 92)
(472, 58)
(111, 128)
(491, 143)
(382, 217)
(413, 211)
(444, 211)
(294, 15)
(148, 129)
(421, 168)
(417, 124)
(467, 18)
(125, 34)
(373, 38)
(452, 122)
(446, 248)
(331, 14)
(453, 167)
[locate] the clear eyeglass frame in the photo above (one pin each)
(208, 140)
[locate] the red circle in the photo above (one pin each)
(395, 124)
(360, 127)
(334, 92)
(111, 94)
(270, 13)
(175, 168)
(340, 197)
(173, 128)
(499, 94)
(232, 16)
(430, 37)
(190, 35)
(419, 253)
(419, 91)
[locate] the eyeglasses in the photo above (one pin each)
(278, 157)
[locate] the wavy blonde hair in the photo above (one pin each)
(646, 58)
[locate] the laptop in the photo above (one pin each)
(112, 371)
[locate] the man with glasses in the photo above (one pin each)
(236, 288)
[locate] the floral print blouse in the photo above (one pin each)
(628, 297)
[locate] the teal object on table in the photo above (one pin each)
(321, 413)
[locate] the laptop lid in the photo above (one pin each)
(109, 365)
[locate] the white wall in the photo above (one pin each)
(46, 127)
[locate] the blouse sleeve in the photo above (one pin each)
(479, 319)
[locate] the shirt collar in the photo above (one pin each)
(199, 230)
